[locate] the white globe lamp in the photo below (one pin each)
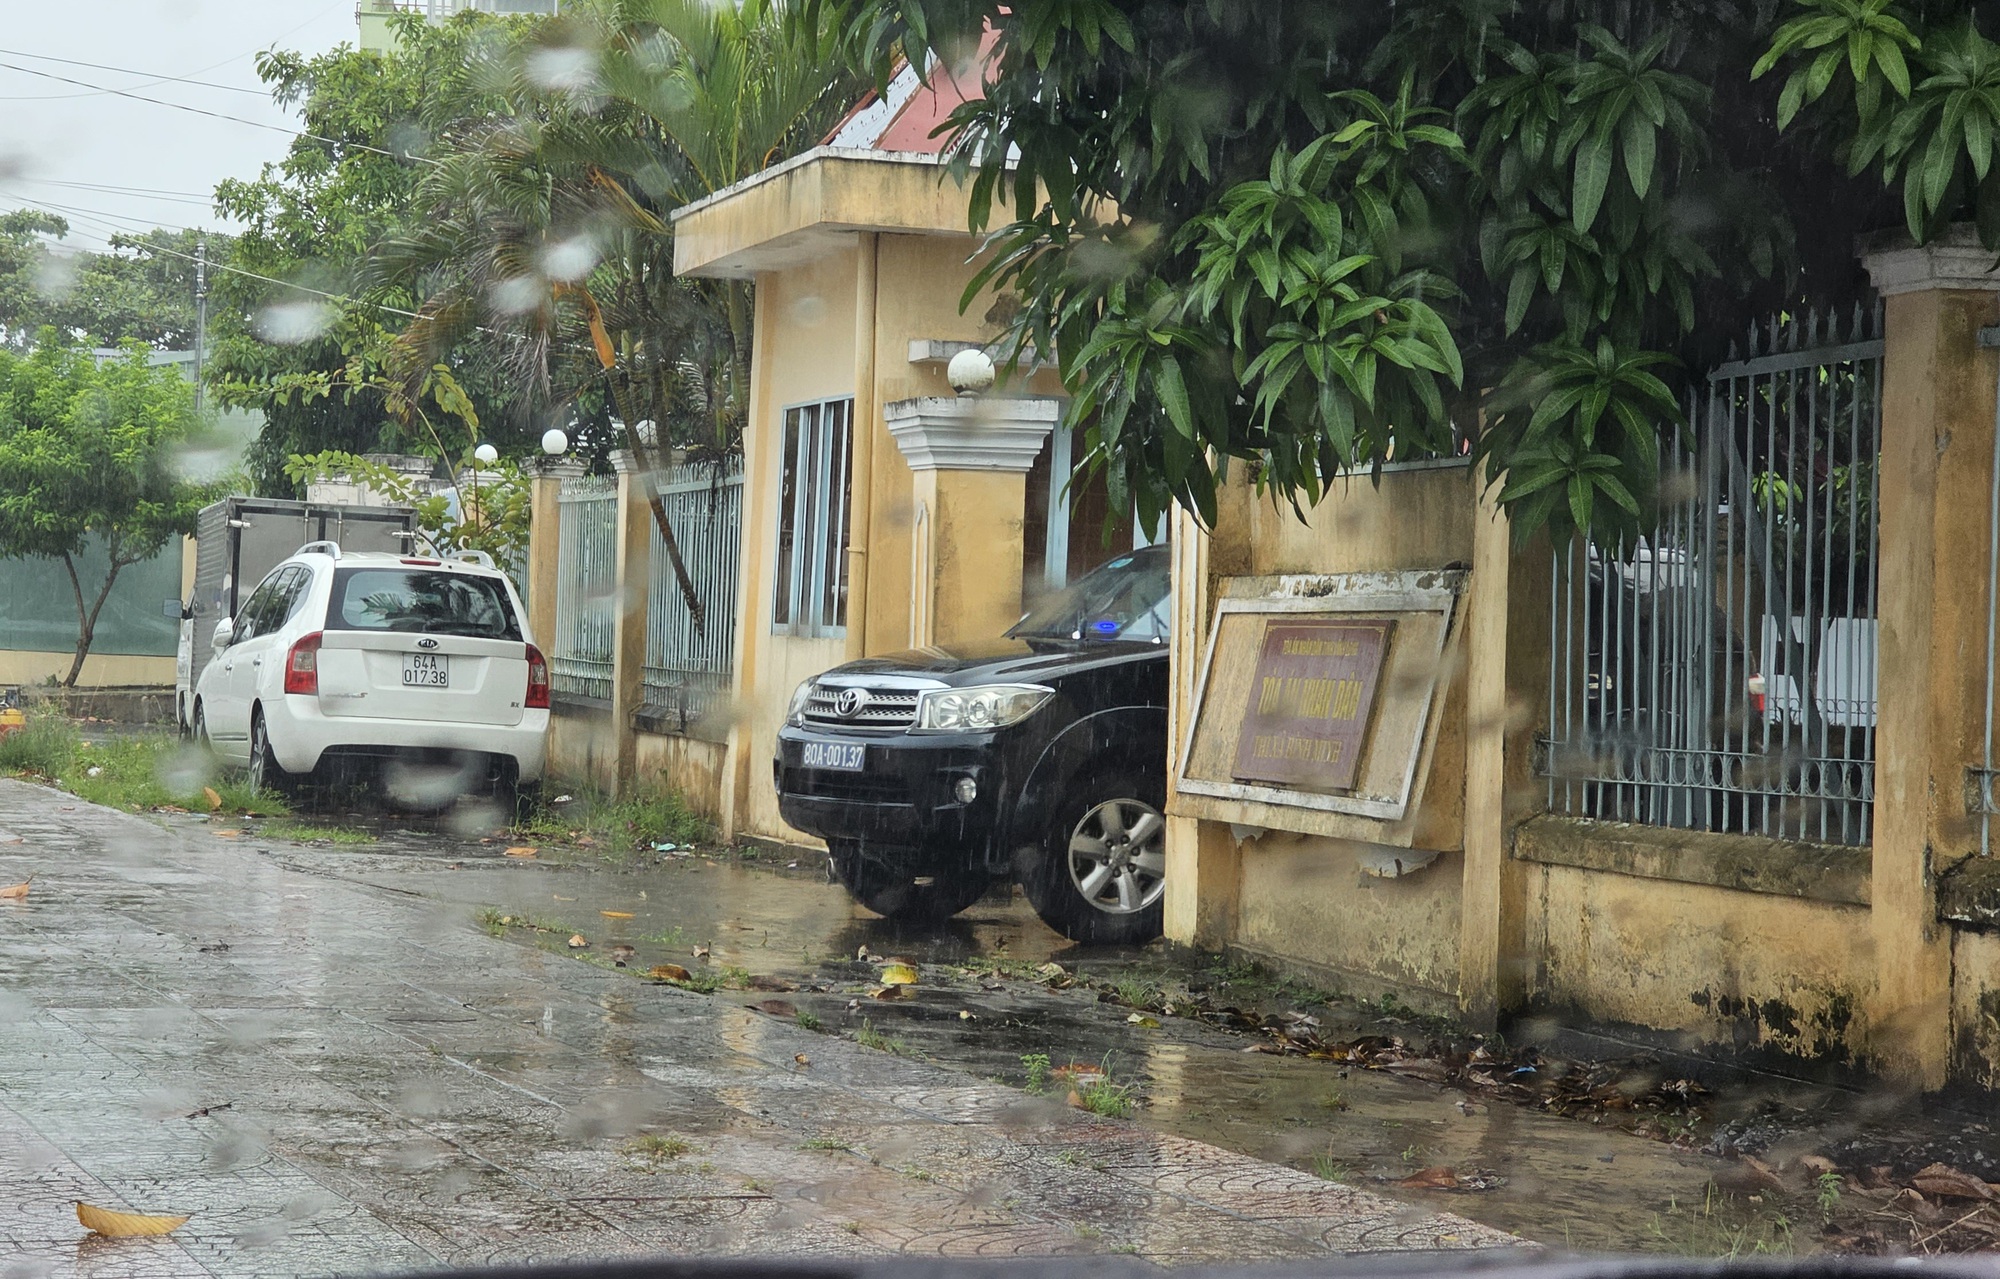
(554, 442)
(486, 455)
(970, 372)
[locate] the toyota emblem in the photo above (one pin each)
(427, 642)
(850, 702)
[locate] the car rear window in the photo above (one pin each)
(428, 600)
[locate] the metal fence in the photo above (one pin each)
(580, 661)
(686, 670)
(1719, 674)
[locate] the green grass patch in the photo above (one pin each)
(344, 836)
(869, 1037)
(654, 1149)
(617, 829)
(134, 773)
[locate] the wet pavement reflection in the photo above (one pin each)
(324, 1057)
(1559, 1181)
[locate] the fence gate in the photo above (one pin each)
(586, 587)
(1719, 674)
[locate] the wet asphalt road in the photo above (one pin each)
(322, 1057)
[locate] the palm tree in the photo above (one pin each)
(544, 226)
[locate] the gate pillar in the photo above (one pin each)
(1935, 478)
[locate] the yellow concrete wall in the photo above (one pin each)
(1304, 899)
(804, 352)
(1751, 970)
(582, 748)
(98, 672)
(689, 767)
(1419, 518)
(1975, 1008)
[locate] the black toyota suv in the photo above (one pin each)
(1041, 757)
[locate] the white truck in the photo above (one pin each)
(240, 539)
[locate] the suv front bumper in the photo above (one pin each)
(903, 797)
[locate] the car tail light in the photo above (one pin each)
(1756, 690)
(538, 680)
(425, 563)
(302, 666)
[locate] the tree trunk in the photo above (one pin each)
(86, 615)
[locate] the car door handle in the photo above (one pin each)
(256, 661)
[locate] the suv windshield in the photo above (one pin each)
(1123, 599)
(399, 599)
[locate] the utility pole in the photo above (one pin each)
(200, 312)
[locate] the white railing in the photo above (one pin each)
(687, 668)
(581, 652)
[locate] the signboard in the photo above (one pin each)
(1307, 716)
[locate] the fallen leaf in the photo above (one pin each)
(1430, 1179)
(700, 952)
(214, 799)
(1143, 1021)
(965, 1014)
(520, 852)
(1942, 1181)
(559, 897)
(577, 941)
(668, 972)
(15, 892)
(864, 954)
(898, 975)
(227, 834)
(888, 992)
(802, 1059)
(1817, 1165)
(763, 981)
(125, 1225)
(617, 914)
(777, 1007)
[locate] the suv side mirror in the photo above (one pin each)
(225, 631)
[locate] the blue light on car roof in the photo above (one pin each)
(1105, 627)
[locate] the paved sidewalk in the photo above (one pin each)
(332, 1076)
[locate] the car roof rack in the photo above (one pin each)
(327, 548)
(480, 558)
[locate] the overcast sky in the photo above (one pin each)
(60, 144)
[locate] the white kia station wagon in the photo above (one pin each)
(421, 666)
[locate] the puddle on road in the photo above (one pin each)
(1563, 1182)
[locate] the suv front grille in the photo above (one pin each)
(881, 707)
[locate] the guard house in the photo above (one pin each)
(881, 511)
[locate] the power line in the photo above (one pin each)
(99, 66)
(217, 115)
(140, 193)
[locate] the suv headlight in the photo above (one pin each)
(948, 710)
(795, 714)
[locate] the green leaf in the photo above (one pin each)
(1638, 142)
(1520, 292)
(1579, 502)
(1593, 173)
(1173, 393)
(1792, 97)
